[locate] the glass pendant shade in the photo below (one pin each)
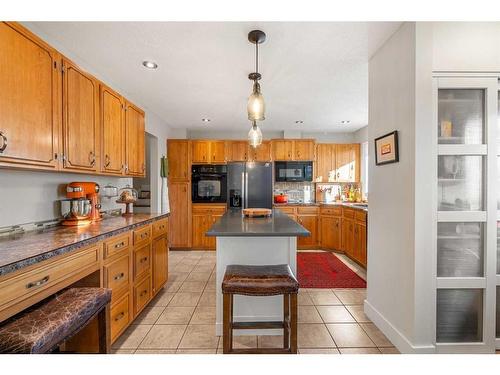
(255, 136)
(256, 106)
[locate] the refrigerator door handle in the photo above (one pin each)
(246, 190)
(243, 192)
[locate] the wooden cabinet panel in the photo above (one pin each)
(199, 228)
(142, 295)
(112, 131)
(178, 152)
(135, 164)
(160, 263)
(116, 245)
(142, 261)
(120, 316)
(204, 217)
(309, 222)
(117, 277)
(201, 152)
(347, 162)
(218, 151)
(261, 153)
(348, 236)
(331, 232)
(211, 241)
(30, 97)
(282, 149)
(142, 234)
(160, 227)
(325, 162)
(303, 150)
(180, 214)
(237, 150)
(80, 119)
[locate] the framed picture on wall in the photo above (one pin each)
(386, 149)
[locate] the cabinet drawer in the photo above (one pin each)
(119, 316)
(116, 245)
(287, 210)
(360, 215)
(347, 212)
(117, 276)
(332, 211)
(142, 294)
(308, 210)
(142, 261)
(142, 234)
(160, 227)
(217, 210)
(30, 283)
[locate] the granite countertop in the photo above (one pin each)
(317, 204)
(22, 250)
(233, 224)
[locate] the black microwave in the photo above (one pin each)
(293, 171)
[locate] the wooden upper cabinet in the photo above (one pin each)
(201, 152)
(326, 162)
(135, 136)
(178, 151)
(30, 100)
(80, 119)
(112, 131)
(282, 149)
(218, 152)
(237, 150)
(303, 150)
(261, 153)
(347, 162)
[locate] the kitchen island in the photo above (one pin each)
(254, 241)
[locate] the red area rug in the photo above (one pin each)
(325, 270)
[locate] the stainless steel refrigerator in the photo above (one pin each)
(249, 185)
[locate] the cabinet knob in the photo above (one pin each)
(4, 142)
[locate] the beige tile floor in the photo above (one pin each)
(181, 318)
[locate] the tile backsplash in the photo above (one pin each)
(302, 192)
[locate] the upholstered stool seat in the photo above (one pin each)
(267, 280)
(45, 326)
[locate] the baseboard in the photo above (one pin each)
(399, 340)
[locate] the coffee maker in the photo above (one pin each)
(82, 206)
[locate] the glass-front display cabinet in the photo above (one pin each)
(466, 240)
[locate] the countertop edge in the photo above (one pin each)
(23, 263)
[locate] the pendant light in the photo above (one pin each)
(255, 135)
(256, 106)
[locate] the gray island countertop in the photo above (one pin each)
(233, 224)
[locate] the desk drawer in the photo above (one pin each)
(142, 261)
(142, 234)
(142, 294)
(120, 316)
(116, 245)
(160, 227)
(26, 284)
(117, 276)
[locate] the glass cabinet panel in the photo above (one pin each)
(459, 315)
(460, 183)
(461, 116)
(460, 249)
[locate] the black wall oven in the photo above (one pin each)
(293, 171)
(209, 183)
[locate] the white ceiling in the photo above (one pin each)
(312, 71)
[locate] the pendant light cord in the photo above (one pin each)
(256, 57)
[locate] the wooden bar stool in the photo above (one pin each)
(266, 280)
(45, 326)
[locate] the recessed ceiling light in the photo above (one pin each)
(205, 119)
(150, 64)
(345, 122)
(299, 122)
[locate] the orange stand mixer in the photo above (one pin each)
(82, 206)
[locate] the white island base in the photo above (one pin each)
(253, 251)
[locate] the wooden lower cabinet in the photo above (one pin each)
(160, 263)
(331, 232)
(203, 217)
(348, 237)
(180, 214)
(310, 222)
(120, 316)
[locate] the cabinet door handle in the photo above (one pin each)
(35, 284)
(143, 260)
(144, 235)
(119, 245)
(92, 158)
(4, 142)
(119, 316)
(119, 276)
(107, 161)
(143, 293)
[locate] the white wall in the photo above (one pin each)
(466, 46)
(361, 135)
(391, 218)
(27, 196)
